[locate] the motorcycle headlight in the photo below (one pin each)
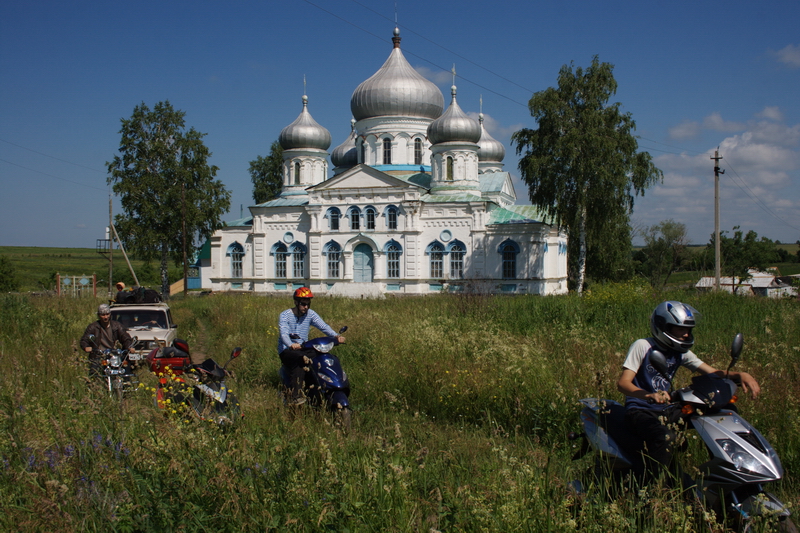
(324, 348)
(741, 458)
(115, 360)
(325, 378)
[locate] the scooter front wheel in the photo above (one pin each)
(786, 525)
(118, 388)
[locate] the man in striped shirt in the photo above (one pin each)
(293, 327)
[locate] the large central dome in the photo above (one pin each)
(397, 90)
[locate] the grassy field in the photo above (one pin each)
(36, 267)
(462, 406)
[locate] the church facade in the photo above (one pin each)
(416, 203)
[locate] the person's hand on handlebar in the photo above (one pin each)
(661, 396)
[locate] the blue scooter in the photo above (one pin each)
(329, 386)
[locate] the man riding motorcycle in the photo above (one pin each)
(298, 321)
(106, 333)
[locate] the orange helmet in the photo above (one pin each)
(303, 292)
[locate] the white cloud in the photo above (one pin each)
(689, 129)
(789, 55)
(684, 130)
(495, 129)
(771, 113)
(715, 122)
(439, 77)
(760, 189)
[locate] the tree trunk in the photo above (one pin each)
(164, 273)
(581, 250)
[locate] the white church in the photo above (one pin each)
(417, 202)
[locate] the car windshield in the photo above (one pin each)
(132, 318)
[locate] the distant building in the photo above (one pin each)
(766, 284)
(418, 202)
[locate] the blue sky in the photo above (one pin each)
(694, 75)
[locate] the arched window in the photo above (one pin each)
(363, 152)
(369, 216)
(437, 260)
(417, 151)
(449, 169)
(391, 217)
(297, 173)
(456, 261)
(334, 254)
(279, 251)
(387, 151)
(354, 214)
(508, 251)
(333, 216)
(236, 253)
(393, 252)
(298, 252)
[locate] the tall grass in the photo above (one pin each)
(462, 404)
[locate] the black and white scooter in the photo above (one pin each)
(740, 460)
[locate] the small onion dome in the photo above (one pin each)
(345, 155)
(489, 149)
(304, 132)
(454, 125)
(396, 90)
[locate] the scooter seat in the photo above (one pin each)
(613, 421)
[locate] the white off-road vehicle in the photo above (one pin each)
(151, 323)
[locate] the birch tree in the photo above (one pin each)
(170, 199)
(582, 166)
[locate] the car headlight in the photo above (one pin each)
(741, 458)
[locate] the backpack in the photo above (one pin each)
(150, 296)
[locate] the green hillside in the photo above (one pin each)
(36, 267)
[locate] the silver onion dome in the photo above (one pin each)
(454, 125)
(396, 90)
(305, 132)
(489, 149)
(345, 155)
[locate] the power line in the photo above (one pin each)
(407, 52)
(446, 49)
(55, 177)
(52, 157)
(682, 150)
(749, 192)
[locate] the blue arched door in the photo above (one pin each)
(362, 264)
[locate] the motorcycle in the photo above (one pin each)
(329, 386)
(740, 460)
(201, 387)
(117, 368)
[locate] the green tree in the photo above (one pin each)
(8, 275)
(742, 252)
(582, 166)
(664, 251)
(170, 199)
(267, 174)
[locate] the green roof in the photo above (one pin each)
(517, 214)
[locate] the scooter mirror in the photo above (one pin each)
(344, 328)
(93, 339)
(659, 362)
(236, 352)
(736, 348)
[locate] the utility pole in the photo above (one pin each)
(717, 172)
(110, 249)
